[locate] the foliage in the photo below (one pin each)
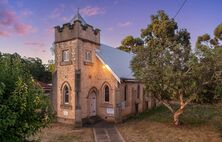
(165, 63)
(131, 44)
(171, 71)
(209, 52)
(51, 66)
(39, 71)
(23, 107)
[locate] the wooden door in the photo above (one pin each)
(92, 104)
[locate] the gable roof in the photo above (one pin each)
(118, 61)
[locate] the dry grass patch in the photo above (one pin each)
(200, 124)
(64, 133)
(148, 131)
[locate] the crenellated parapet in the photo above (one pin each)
(77, 30)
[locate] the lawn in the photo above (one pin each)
(200, 123)
(64, 133)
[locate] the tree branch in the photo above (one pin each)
(168, 106)
(181, 99)
(165, 103)
(188, 70)
(188, 101)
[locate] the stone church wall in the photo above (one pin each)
(78, 39)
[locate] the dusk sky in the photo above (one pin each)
(26, 26)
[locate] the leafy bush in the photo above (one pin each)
(23, 107)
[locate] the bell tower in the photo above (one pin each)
(70, 41)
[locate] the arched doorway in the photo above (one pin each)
(92, 103)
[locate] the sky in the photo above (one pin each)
(27, 26)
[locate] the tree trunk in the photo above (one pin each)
(176, 116)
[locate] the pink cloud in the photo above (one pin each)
(23, 29)
(4, 33)
(125, 24)
(7, 17)
(11, 22)
(110, 29)
(49, 30)
(26, 13)
(57, 12)
(64, 18)
(3, 1)
(92, 11)
(36, 44)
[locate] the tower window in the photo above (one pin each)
(88, 56)
(106, 93)
(125, 92)
(66, 94)
(65, 55)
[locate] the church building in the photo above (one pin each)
(93, 79)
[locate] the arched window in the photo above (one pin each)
(66, 94)
(106, 93)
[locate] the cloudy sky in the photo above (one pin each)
(26, 26)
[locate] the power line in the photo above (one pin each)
(180, 9)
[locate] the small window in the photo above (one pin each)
(88, 56)
(125, 92)
(106, 93)
(65, 55)
(66, 94)
(138, 91)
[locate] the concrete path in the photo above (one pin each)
(106, 132)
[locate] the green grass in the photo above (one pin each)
(194, 115)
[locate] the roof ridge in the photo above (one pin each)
(117, 49)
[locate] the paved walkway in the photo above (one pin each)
(106, 132)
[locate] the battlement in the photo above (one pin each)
(77, 30)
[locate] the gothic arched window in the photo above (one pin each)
(106, 93)
(66, 94)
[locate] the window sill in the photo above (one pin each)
(64, 63)
(88, 63)
(106, 104)
(66, 106)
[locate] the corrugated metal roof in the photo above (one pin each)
(119, 61)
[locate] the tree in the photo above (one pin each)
(209, 52)
(165, 64)
(131, 44)
(23, 107)
(37, 69)
(51, 66)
